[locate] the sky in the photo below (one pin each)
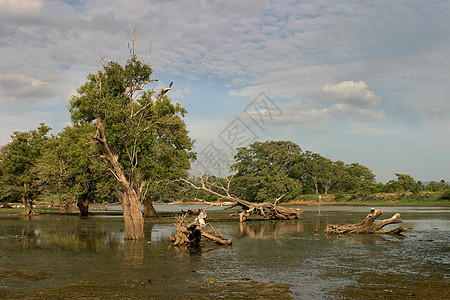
(363, 82)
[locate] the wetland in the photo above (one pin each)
(60, 256)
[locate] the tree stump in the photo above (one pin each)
(367, 225)
(190, 234)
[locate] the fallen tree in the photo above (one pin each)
(190, 234)
(267, 210)
(367, 225)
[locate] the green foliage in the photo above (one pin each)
(359, 178)
(445, 195)
(403, 183)
(270, 169)
(67, 169)
(264, 171)
(436, 186)
(340, 197)
(378, 188)
(145, 131)
(17, 159)
(321, 175)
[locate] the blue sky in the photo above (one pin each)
(357, 81)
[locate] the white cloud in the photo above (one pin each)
(364, 61)
(372, 132)
(437, 109)
(309, 114)
(344, 111)
(27, 120)
(22, 8)
(349, 92)
(178, 95)
(18, 87)
(240, 7)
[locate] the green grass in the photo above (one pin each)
(381, 199)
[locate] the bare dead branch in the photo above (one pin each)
(266, 210)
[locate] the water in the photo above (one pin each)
(61, 256)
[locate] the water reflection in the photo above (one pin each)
(134, 252)
(261, 230)
(80, 235)
(91, 258)
(29, 236)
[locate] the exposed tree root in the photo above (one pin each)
(190, 234)
(368, 225)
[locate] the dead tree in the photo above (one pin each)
(368, 226)
(267, 210)
(190, 234)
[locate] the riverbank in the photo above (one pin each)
(381, 199)
(378, 199)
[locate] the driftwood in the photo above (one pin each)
(267, 210)
(368, 225)
(190, 234)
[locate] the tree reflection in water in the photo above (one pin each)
(134, 252)
(264, 229)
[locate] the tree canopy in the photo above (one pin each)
(142, 134)
(17, 159)
(69, 172)
(264, 171)
(267, 170)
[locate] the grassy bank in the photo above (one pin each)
(379, 199)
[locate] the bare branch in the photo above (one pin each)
(265, 209)
(114, 174)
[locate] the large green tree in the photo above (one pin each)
(17, 159)
(68, 171)
(263, 171)
(141, 133)
(403, 183)
(359, 178)
(311, 168)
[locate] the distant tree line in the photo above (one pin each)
(59, 168)
(65, 170)
(267, 170)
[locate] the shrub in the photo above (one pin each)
(338, 197)
(445, 195)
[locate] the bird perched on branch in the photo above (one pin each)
(163, 91)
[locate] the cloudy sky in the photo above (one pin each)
(357, 81)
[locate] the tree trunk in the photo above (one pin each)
(83, 206)
(316, 184)
(149, 209)
(132, 216)
(28, 211)
(27, 202)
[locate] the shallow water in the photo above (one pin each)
(50, 256)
